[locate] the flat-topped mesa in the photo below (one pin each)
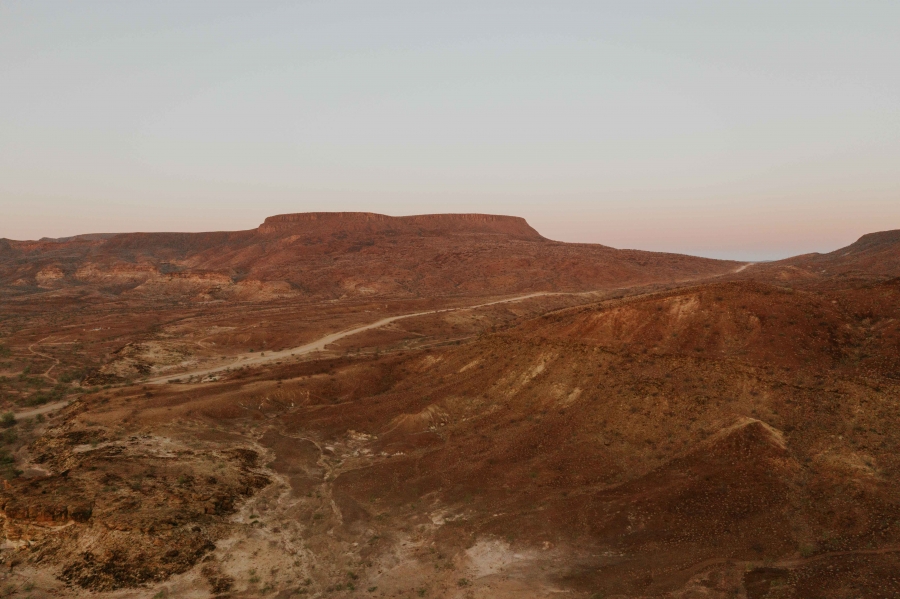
(367, 222)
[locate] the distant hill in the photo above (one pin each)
(340, 254)
(874, 254)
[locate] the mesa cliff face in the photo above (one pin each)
(330, 223)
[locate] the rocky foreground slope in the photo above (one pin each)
(733, 437)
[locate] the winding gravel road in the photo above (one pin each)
(320, 344)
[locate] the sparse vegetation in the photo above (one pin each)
(9, 436)
(8, 471)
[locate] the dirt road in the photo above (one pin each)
(44, 409)
(45, 374)
(255, 359)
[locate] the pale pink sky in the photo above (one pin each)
(748, 129)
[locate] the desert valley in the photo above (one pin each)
(357, 405)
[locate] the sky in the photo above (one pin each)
(751, 130)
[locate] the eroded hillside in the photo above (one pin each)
(335, 255)
(734, 437)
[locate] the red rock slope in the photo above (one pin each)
(340, 254)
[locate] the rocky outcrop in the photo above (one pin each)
(116, 274)
(49, 276)
(45, 511)
(119, 513)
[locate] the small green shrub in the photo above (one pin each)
(8, 470)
